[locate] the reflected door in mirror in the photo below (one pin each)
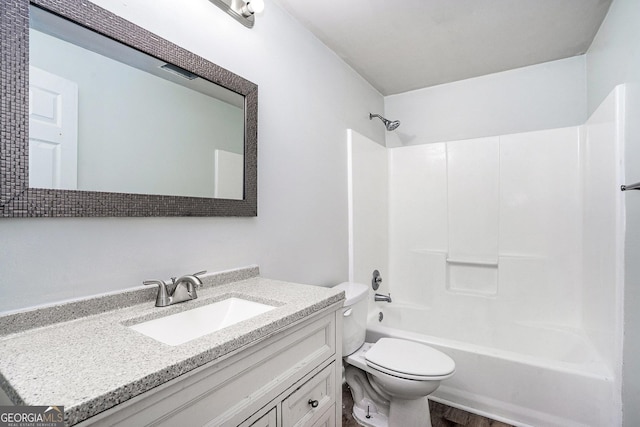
(53, 131)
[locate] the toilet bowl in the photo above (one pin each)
(391, 378)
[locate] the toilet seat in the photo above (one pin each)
(409, 360)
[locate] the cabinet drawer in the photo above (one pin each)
(328, 419)
(269, 419)
(298, 409)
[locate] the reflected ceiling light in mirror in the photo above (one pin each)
(242, 11)
(174, 69)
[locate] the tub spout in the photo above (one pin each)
(380, 297)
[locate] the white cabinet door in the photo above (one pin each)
(328, 419)
(269, 419)
(308, 403)
(53, 131)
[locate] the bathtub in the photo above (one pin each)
(525, 374)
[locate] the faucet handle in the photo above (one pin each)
(199, 273)
(163, 295)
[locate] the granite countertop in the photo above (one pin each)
(82, 355)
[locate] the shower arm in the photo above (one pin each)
(388, 124)
(635, 186)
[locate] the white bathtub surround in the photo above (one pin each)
(603, 229)
(473, 176)
(368, 203)
(505, 253)
(492, 212)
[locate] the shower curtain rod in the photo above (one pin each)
(635, 186)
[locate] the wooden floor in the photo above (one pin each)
(441, 415)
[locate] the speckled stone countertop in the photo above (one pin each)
(87, 359)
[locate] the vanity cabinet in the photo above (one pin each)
(289, 378)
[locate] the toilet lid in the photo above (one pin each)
(409, 358)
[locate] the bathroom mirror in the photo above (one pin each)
(180, 140)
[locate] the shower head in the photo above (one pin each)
(390, 125)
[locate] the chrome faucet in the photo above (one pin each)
(180, 289)
(380, 297)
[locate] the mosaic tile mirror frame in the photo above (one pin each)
(17, 199)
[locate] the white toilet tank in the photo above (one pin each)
(354, 325)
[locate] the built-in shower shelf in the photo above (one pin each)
(472, 275)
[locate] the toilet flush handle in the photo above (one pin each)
(347, 312)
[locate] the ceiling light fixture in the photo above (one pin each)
(242, 11)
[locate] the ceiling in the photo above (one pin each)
(405, 45)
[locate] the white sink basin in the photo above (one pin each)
(191, 324)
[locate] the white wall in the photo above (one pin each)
(612, 59)
(543, 96)
(307, 99)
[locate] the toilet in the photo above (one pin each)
(389, 379)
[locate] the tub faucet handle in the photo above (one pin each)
(376, 280)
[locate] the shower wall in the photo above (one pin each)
(368, 207)
(489, 229)
(601, 149)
